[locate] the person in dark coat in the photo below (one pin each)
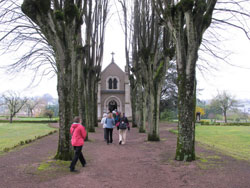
(123, 127)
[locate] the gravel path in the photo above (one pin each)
(138, 164)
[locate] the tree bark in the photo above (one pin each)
(11, 119)
(142, 110)
(133, 97)
(225, 116)
(154, 94)
(64, 151)
(185, 150)
(88, 83)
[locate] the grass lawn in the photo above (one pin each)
(36, 118)
(231, 140)
(12, 134)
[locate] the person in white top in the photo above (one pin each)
(103, 122)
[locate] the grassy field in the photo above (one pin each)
(231, 140)
(31, 118)
(36, 118)
(12, 134)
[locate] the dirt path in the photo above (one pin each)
(138, 164)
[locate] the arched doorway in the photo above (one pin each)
(112, 105)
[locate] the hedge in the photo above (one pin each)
(225, 124)
(25, 121)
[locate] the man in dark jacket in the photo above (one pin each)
(123, 126)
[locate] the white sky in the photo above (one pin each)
(229, 78)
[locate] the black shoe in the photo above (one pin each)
(84, 165)
(73, 170)
(120, 142)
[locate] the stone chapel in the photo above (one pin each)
(114, 91)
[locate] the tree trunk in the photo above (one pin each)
(64, 89)
(11, 118)
(89, 99)
(153, 114)
(142, 110)
(133, 97)
(154, 87)
(133, 104)
(185, 150)
(95, 116)
(225, 116)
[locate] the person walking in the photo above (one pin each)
(117, 119)
(122, 127)
(110, 122)
(78, 134)
(104, 125)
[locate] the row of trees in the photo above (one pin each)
(66, 39)
(158, 33)
(162, 33)
(13, 104)
(165, 31)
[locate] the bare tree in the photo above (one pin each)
(137, 91)
(60, 24)
(95, 16)
(14, 103)
(150, 57)
(130, 65)
(19, 35)
(188, 21)
(224, 101)
(66, 37)
(31, 105)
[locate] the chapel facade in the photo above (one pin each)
(114, 91)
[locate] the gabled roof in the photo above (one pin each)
(112, 64)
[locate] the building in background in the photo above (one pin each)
(244, 106)
(114, 91)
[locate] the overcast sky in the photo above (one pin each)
(229, 78)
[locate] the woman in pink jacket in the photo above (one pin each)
(78, 135)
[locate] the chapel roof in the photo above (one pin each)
(112, 64)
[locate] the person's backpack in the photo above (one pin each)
(123, 125)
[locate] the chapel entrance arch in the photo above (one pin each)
(112, 103)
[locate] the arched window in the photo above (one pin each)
(115, 83)
(110, 83)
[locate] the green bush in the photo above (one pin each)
(205, 122)
(168, 115)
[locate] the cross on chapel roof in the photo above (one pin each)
(112, 61)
